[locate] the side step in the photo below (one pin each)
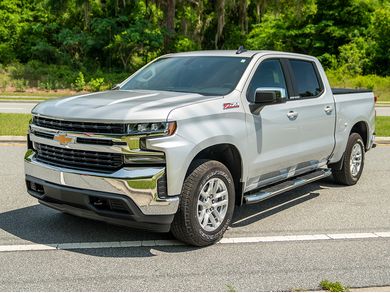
(268, 192)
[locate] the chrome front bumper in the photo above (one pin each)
(139, 184)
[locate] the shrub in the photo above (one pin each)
(20, 85)
(4, 82)
(95, 84)
(79, 83)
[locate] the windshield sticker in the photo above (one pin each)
(243, 60)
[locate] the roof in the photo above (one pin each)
(232, 53)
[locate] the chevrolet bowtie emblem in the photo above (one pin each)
(62, 139)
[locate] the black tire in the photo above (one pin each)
(186, 226)
(344, 176)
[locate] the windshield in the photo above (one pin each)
(206, 75)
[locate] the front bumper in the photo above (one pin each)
(127, 197)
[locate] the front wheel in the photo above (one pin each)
(353, 163)
(206, 204)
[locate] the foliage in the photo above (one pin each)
(332, 286)
(79, 83)
(48, 42)
(379, 84)
(95, 84)
(20, 85)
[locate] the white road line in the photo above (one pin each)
(154, 243)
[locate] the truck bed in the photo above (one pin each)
(343, 91)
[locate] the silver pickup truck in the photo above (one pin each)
(181, 142)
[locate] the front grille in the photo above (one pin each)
(108, 128)
(97, 141)
(78, 159)
(44, 134)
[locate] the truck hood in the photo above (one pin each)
(118, 105)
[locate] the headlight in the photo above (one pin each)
(166, 128)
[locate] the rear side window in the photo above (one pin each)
(306, 79)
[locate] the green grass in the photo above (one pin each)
(33, 94)
(382, 126)
(2, 98)
(332, 286)
(14, 124)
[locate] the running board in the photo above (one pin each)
(268, 192)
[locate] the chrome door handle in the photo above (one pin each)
(328, 109)
(292, 115)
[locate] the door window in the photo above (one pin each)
(268, 74)
(306, 79)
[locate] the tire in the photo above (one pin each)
(190, 224)
(346, 175)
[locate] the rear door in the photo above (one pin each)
(313, 113)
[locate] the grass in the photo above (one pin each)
(333, 286)
(2, 98)
(14, 124)
(382, 126)
(230, 288)
(36, 94)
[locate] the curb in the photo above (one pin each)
(5, 138)
(12, 139)
(371, 289)
(382, 140)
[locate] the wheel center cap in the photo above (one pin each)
(208, 204)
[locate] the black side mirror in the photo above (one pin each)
(268, 96)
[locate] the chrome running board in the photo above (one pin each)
(285, 186)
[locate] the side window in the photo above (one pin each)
(268, 74)
(306, 79)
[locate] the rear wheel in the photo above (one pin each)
(206, 204)
(353, 163)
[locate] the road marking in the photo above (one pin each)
(227, 240)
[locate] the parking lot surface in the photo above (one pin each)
(269, 253)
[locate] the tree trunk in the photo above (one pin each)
(244, 15)
(220, 8)
(169, 22)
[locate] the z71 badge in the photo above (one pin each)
(227, 106)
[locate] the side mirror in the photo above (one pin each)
(116, 87)
(268, 95)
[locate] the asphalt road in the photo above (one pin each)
(382, 111)
(8, 107)
(318, 208)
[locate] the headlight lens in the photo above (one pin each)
(167, 128)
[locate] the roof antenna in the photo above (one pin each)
(240, 50)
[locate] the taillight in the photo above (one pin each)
(375, 99)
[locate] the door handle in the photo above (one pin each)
(292, 115)
(328, 109)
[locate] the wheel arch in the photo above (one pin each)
(229, 155)
(361, 128)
